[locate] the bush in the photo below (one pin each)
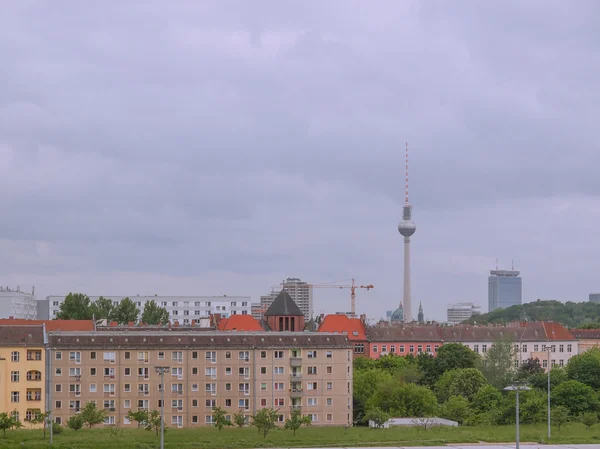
(57, 429)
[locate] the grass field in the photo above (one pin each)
(233, 438)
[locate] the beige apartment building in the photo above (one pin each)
(235, 371)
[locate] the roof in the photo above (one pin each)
(311, 325)
(283, 305)
(401, 334)
(202, 340)
(22, 335)
(586, 334)
(341, 324)
(239, 323)
(556, 331)
(51, 325)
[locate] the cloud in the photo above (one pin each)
(145, 142)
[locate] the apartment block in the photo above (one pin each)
(207, 369)
(18, 304)
(22, 371)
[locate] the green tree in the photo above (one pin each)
(125, 312)
(456, 408)
(139, 416)
(154, 314)
(404, 399)
(486, 407)
(41, 418)
(239, 419)
(464, 382)
(76, 306)
(365, 384)
(577, 397)
(378, 416)
(154, 422)
(296, 420)
(585, 368)
(557, 376)
(392, 363)
(75, 422)
(92, 415)
(529, 369)
(219, 418)
(264, 420)
(102, 308)
(449, 356)
(498, 364)
(589, 419)
(7, 422)
(559, 416)
(533, 407)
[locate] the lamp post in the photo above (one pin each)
(548, 349)
(162, 370)
(516, 387)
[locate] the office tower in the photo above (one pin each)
(302, 294)
(457, 313)
(407, 228)
(504, 289)
(594, 297)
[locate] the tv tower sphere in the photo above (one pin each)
(407, 228)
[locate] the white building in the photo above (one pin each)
(18, 304)
(302, 294)
(457, 313)
(182, 309)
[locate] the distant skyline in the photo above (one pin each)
(221, 147)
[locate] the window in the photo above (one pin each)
(109, 420)
(244, 371)
(428, 348)
(194, 371)
(561, 363)
(263, 386)
(263, 354)
(34, 375)
(312, 370)
(92, 388)
(211, 403)
(92, 371)
(177, 372)
(212, 356)
(329, 369)
(15, 356)
(311, 386)
(278, 354)
(375, 348)
(561, 348)
(279, 402)
(263, 370)
(312, 402)
(194, 387)
(435, 348)
(227, 402)
(544, 363)
(383, 348)
(244, 355)
(14, 396)
(161, 355)
(127, 388)
(34, 355)
(58, 355)
(75, 388)
(524, 348)
(58, 388)
(109, 372)
(536, 348)
(211, 388)
(278, 370)
(329, 417)
(58, 404)
(263, 402)
(330, 385)
(312, 354)
(227, 370)
(476, 348)
(212, 372)
(143, 356)
(244, 387)
(74, 372)
(109, 388)
(14, 376)
(110, 357)
(194, 402)
(329, 402)
(359, 348)
(569, 348)
(244, 403)
(314, 417)
(278, 386)
(93, 355)
(128, 371)
(228, 387)
(484, 348)
(177, 356)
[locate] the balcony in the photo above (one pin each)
(295, 407)
(143, 392)
(296, 377)
(295, 361)
(296, 392)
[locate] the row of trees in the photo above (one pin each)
(460, 385)
(78, 306)
(264, 420)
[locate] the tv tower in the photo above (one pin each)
(407, 228)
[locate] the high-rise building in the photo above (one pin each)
(182, 309)
(302, 294)
(407, 228)
(594, 297)
(18, 304)
(504, 289)
(457, 313)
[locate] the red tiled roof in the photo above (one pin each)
(239, 323)
(556, 331)
(51, 325)
(586, 334)
(353, 327)
(19, 335)
(408, 333)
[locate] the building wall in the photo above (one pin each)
(381, 348)
(18, 393)
(587, 344)
(302, 294)
(594, 297)
(182, 309)
(504, 289)
(266, 380)
(18, 304)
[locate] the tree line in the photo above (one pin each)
(461, 385)
(78, 306)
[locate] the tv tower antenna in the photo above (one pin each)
(406, 188)
(407, 228)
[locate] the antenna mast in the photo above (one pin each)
(406, 188)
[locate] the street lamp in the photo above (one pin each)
(516, 387)
(548, 350)
(162, 370)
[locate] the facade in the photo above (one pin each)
(18, 304)
(403, 341)
(457, 313)
(22, 371)
(504, 289)
(594, 297)
(352, 328)
(182, 309)
(235, 371)
(587, 338)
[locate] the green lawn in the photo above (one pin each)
(233, 438)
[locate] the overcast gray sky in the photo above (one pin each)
(218, 147)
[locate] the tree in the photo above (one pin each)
(533, 406)
(498, 364)
(239, 419)
(125, 312)
(154, 314)
(154, 421)
(392, 363)
(577, 397)
(456, 408)
(92, 415)
(365, 384)
(102, 308)
(378, 416)
(7, 422)
(449, 356)
(585, 368)
(486, 407)
(589, 419)
(264, 420)
(464, 382)
(296, 420)
(76, 306)
(41, 418)
(140, 416)
(557, 376)
(559, 416)
(529, 369)
(219, 419)
(403, 399)
(75, 422)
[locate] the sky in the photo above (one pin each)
(218, 147)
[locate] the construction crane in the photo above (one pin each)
(352, 288)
